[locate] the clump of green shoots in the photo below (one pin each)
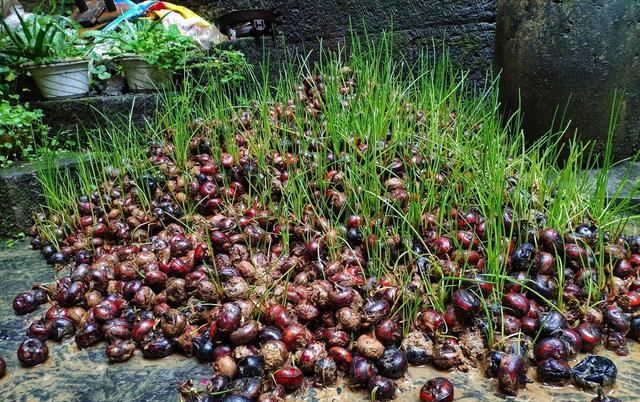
(371, 164)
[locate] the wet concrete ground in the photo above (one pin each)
(71, 374)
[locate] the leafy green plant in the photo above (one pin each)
(164, 48)
(8, 69)
(41, 40)
(8, 75)
(15, 239)
(226, 66)
(24, 136)
(53, 7)
(20, 128)
(102, 68)
(101, 72)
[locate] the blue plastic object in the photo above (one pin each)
(133, 13)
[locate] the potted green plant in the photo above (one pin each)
(54, 54)
(148, 53)
(20, 129)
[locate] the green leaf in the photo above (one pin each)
(23, 24)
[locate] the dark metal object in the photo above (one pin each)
(95, 14)
(89, 12)
(247, 23)
(82, 5)
(111, 6)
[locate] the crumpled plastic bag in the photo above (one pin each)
(10, 10)
(189, 23)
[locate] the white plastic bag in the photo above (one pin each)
(9, 10)
(204, 36)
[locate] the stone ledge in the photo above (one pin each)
(624, 171)
(80, 115)
(21, 196)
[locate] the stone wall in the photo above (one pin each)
(21, 195)
(467, 27)
(75, 117)
(565, 60)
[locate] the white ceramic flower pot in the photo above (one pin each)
(142, 76)
(67, 79)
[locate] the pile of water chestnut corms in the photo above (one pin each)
(275, 314)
